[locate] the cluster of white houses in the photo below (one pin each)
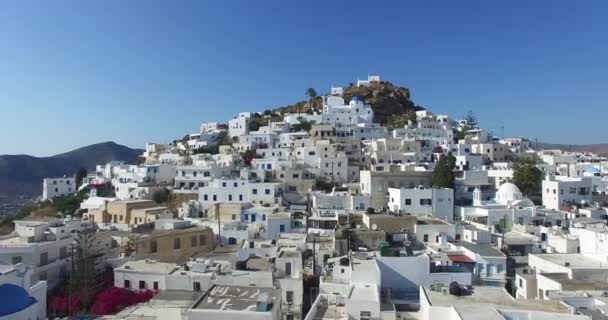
(338, 221)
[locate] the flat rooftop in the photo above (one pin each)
(176, 295)
(429, 221)
(364, 291)
(575, 284)
(330, 312)
(575, 260)
(367, 266)
(520, 238)
(487, 298)
(235, 298)
(483, 249)
(149, 266)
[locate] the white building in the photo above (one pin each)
(434, 202)
(58, 187)
(154, 275)
(22, 297)
(337, 113)
(239, 191)
(371, 78)
(559, 192)
(239, 126)
(340, 200)
(553, 276)
(44, 246)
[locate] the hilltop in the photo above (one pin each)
(386, 99)
(23, 173)
(599, 148)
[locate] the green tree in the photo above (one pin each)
(80, 175)
(527, 177)
(82, 278)
(471, 120)
(248, 156)
(161, 196)
(443, 175)
(302, 125)
(312, 95)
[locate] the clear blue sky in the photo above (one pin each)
(76, 73)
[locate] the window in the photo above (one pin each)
(289, 296)
(287, 268)
(263, 217)
(193, 241)
(202, 240)
(254, 191)
(425, 238)
(196, 286)
(214, 197)
(267, 191)
(176, 243)
(229, 197)
(16, 259)
(282, 228)
(240, 197)
(365, 315)
(408, 202)
(155, 285)
(44, 258)
(426, 202)
(127, 284)
(142, 285)
(223, 184)
(499, 268)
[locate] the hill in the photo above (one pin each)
(599, 148)
(386, 99)
(21, 174)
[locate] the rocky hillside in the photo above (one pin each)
(386, 99)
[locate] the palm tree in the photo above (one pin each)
(312, 94)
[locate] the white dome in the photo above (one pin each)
(508, 193)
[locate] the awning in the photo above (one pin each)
(460, 258)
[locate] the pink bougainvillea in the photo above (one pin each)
(61, 304)
(112, 300)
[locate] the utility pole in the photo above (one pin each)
(219, 227)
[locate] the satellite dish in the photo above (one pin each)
(374, 227)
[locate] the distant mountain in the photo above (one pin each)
(599, 148)
(23, 174)
(386, 99)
